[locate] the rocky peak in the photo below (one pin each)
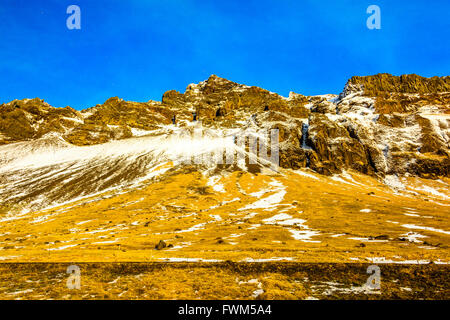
(213, 84)
(32, 118)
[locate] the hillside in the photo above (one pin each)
(363, 177)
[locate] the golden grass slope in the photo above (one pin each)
(239, 216)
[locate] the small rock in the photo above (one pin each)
(161, 245)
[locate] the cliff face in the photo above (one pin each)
(412, 118)
(409, 83)
(379, 125)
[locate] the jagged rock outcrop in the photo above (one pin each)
(117, 119)
(32, 118)
(378, 125)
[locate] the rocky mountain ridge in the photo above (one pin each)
(379, 125)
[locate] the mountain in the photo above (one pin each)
(378, 125)
(362, 176)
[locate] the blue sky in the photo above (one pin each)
(137, 50)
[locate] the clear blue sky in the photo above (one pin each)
(137, 50)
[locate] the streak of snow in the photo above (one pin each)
(413, 237)
(412, 226)
(269, 203)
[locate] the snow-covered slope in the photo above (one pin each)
(49, 171)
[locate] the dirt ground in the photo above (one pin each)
(225, 280)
